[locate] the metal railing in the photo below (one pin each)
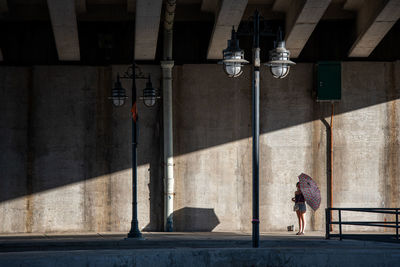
(340, 222)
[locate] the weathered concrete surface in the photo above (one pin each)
(66, 161)
(366, 140)
(207, 257)
(15, 88)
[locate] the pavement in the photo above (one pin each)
(195, 249)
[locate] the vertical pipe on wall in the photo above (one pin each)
(167, 64)
(331, 172)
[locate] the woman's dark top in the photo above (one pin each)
(299, 198)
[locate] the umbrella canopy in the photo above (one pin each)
(310, 191)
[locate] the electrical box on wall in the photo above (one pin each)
(329, 81)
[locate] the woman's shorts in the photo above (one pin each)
(302, 207)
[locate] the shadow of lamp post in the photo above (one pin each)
(279, 63)
(118, 97)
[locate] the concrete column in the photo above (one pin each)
(168, 145)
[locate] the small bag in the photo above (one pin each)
(296, 207)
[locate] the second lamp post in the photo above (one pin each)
(279, 63)
(118, 97)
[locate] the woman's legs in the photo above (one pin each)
(303, 222)
(299, 218)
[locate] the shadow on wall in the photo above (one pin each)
(194, 219)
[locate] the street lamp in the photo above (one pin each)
(118, 94)
(149, 94)
(118, 98)
(233, 57)
(279, 59)
(279, 63)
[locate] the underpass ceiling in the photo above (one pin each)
(342, 16)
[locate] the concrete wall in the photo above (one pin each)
(66, 163)
(213, 148)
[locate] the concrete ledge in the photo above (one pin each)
(206, 257)
(193, 249)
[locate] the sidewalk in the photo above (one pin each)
(193, 249)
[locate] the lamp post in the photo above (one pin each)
(233, 60)
(149, 98)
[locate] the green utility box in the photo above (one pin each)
(329, 81)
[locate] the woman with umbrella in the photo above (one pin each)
(300, 208)
(307, 191)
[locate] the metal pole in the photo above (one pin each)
(327, 222)
(397, 224)
(134, 232)
(340, 224)
(256, 129)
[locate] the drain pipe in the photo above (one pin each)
(167, 64)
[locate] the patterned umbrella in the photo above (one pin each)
(310, 191)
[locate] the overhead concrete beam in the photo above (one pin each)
(147, 23)
(80, 6)
(65, 29)
(209, 6)
(374, 20)
(3, 6)
(301, 19)
(230, 14)
(130, 5)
